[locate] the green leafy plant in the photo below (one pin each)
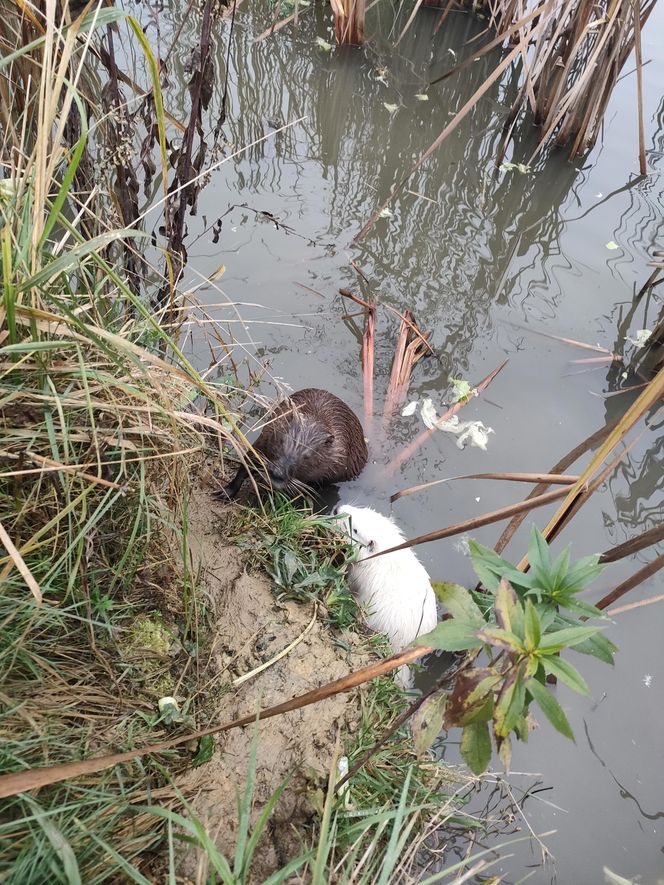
(516, 621)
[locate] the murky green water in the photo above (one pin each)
(486, 260)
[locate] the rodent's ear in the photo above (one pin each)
(330, 439)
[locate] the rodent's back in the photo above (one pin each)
(394, 589)
(316, 436)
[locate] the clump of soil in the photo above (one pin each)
(250, 627)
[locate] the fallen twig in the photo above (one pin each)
(478, 521)
(634, 545)
(34, 778)
(621, 609)
(282, 654)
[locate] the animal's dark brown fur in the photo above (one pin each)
(312, 439)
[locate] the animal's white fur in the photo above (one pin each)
(394, 591)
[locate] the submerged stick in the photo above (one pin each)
(643, 168)
(634, 545)
(451, 126)
(637, 578)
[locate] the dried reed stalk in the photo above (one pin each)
(349, 21)
(367, 357)
(410, 349)
(574, 63)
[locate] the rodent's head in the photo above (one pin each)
(369, 530)
(302, 448)
(357, 522)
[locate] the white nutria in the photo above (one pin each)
(394, 591)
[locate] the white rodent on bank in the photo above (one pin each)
(394, 591)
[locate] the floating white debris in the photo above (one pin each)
(612, 245)
(612, 878)
(474, 432)
(641, 339)
(599, 196)
(409, 410)
(390, 107)
(428, 412)
(421, 96)
(515, 167)
(385, 213)
(462, 545)
(323, 44)
(647, 680)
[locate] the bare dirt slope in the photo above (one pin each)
(251, 626)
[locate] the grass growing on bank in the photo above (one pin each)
(97, 608)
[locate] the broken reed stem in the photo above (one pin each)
(639, 87)
(637, 578)
(396, 373)
(349, 18)
(545, 478)
(406, 356)
(368, 352)
(634, 545)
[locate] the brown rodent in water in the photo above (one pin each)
(312, 439)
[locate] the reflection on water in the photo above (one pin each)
(486, 259)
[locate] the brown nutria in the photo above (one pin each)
(312, 439)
